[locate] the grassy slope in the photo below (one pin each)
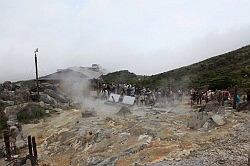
(217, 72)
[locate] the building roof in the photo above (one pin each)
(75, 73)
(65, 75)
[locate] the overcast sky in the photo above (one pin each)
(143, 36)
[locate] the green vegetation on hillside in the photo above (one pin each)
(218, 72)
(123, 76)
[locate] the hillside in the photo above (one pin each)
(222, 71)
(123, 76)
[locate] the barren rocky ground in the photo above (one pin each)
(147, 136)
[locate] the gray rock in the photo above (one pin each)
(1, 88)
(64, 106)
(48, 86)
(198, 120)
(212, 106)
(59, 97)
(48, 100)
(124, 111)
(13, 110)
(209, 124)
(219, 120)
(245, 106)
(29, 108)
(14, 131)
(7, 85)
(7, 102)
(7, 96)
(94, 160)
(88, 113)
(22, 95)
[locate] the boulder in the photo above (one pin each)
(7, 95)
(219, 120)
(146, 138)
(88, 113)
(124, 111)
(7, 85)
(59, 97)
(245, 106)
(6, 102)
(14, 131)
(48, 100)
(94, 160)
(22, 95)
(28, 108)
(1, 88)
(212, 106)
(210, 124)
(13, 110)
(197, 120)
(64, 106)
(48, 86)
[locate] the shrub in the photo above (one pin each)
(28, 115)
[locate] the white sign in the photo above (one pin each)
(114, 97)
(128, 100)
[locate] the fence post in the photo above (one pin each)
(30, 145)
(34, 146)
(6, 137)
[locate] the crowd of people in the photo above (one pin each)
(197, 96)
(143, 96)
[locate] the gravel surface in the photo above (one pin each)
(232, 150)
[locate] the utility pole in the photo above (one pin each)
(37, 83)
